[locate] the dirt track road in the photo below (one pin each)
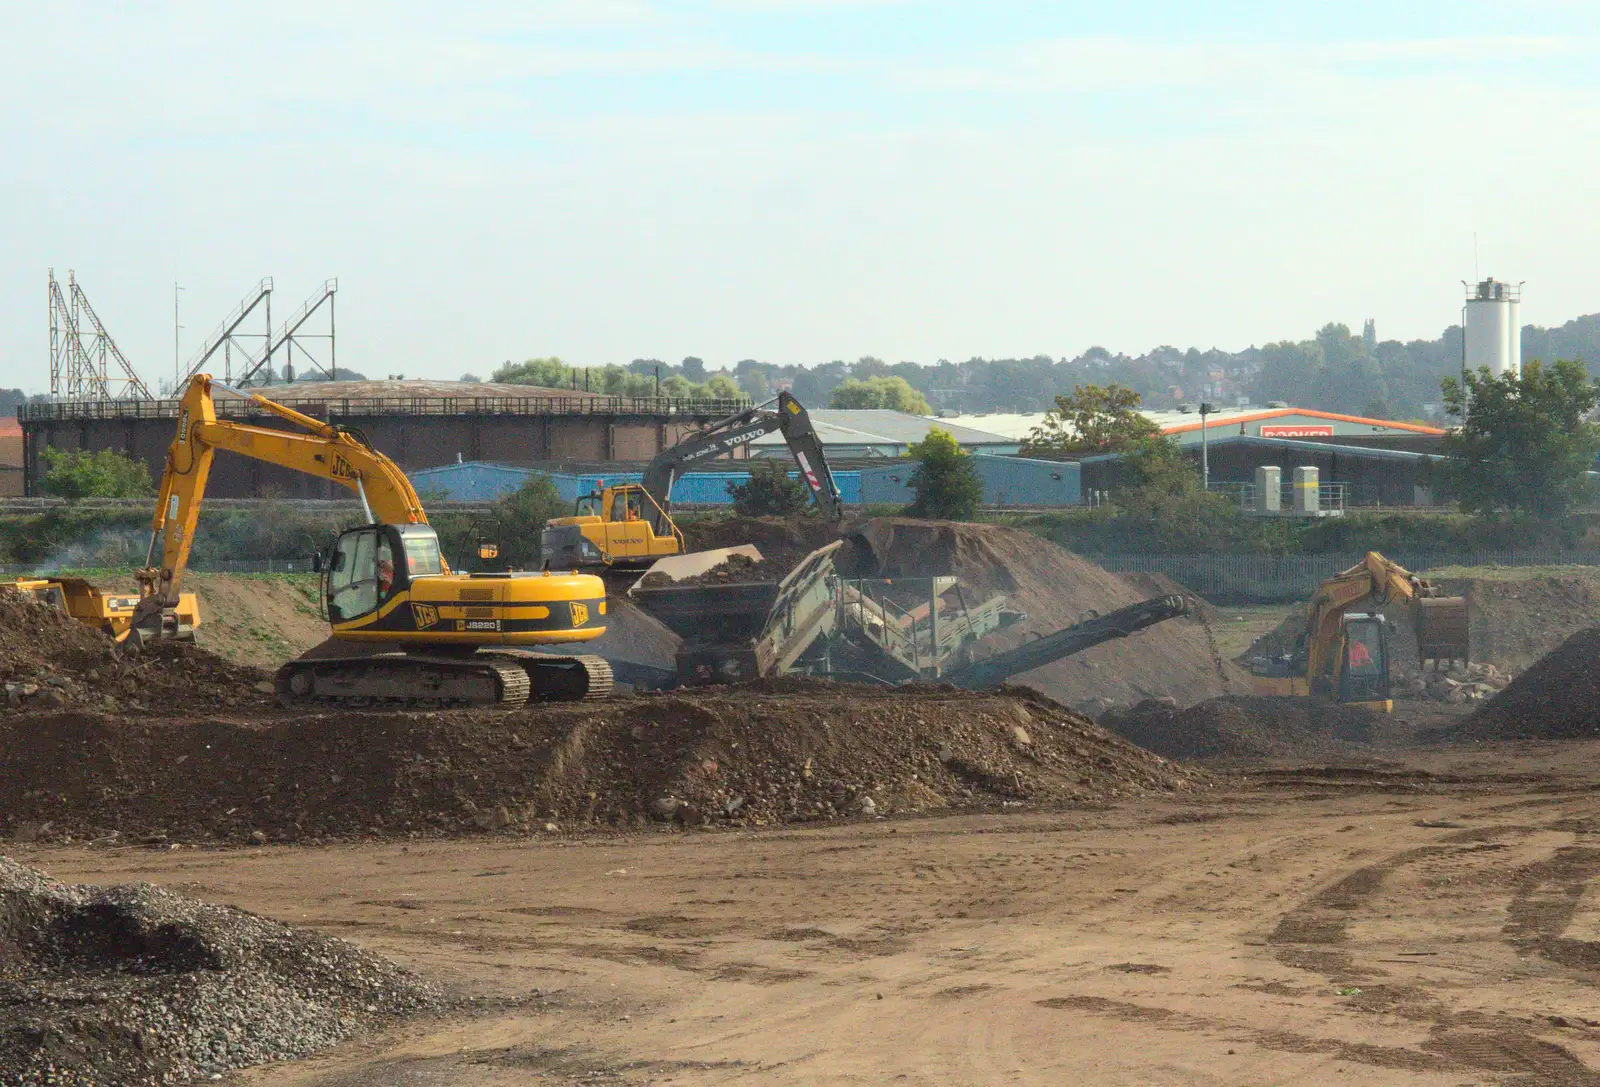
(1301, 928)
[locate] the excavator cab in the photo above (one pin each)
(368, 566)
(1364, 662)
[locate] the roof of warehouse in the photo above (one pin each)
(1018, 424)
(885, 426)
(1298, 446)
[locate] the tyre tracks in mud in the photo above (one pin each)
(1336, 935)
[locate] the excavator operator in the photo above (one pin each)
(385, 569)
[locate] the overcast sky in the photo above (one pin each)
(793, 181)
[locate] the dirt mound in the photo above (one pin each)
(788, 749)
(1244, 727)
(49, 660)
(135, 985)
(1057, 589)
(1515, 620)
(1557, 698)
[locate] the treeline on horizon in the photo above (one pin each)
(1334, 370)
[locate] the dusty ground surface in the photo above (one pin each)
(1428, 923)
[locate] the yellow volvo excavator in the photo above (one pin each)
(1343, 655)
(624, 529)
(437, 637)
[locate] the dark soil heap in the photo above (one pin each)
(734, 569)
(135, 985)
(770, 752)
(1244, 727)
(49, 660)
(1557, 698)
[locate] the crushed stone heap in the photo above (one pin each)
(135, 985)
(1557, 698)
(771, 752)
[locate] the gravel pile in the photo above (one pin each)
(1557, 698)
(771, 752)
(134, 985)
(1243, 726)
(48, 660)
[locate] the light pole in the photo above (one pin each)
(1205, 458)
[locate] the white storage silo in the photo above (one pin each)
(1494, 327)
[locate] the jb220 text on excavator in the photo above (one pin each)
(1343, 655)
(624, 529)
(407, 629)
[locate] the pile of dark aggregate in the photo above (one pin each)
(49, 661)
(136, 986)
(1557, 698)
(1243, 726)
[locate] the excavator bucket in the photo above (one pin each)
(1442, 628)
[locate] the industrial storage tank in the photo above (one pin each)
(1493, 327)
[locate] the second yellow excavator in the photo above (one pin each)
(435, 637)
(1343, 655)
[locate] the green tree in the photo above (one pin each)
(770, 491)
(547, 373)
(945, 480)
(879, 392)
(1524, 443)
(721, 386)
(522, 515)
(1093, 420)
(81, 474)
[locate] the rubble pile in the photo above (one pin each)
(1557, 698)
(1459, 685)
(48, 661)
(772, 752)
(1244, 727)
(135, 985)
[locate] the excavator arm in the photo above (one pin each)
(726, 435)
(317, 449)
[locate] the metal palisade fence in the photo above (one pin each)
(1269, 578)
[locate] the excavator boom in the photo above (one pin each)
(323, 450)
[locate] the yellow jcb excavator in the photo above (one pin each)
(451, 637)
(1344, 655)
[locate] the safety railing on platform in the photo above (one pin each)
(356, 408)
